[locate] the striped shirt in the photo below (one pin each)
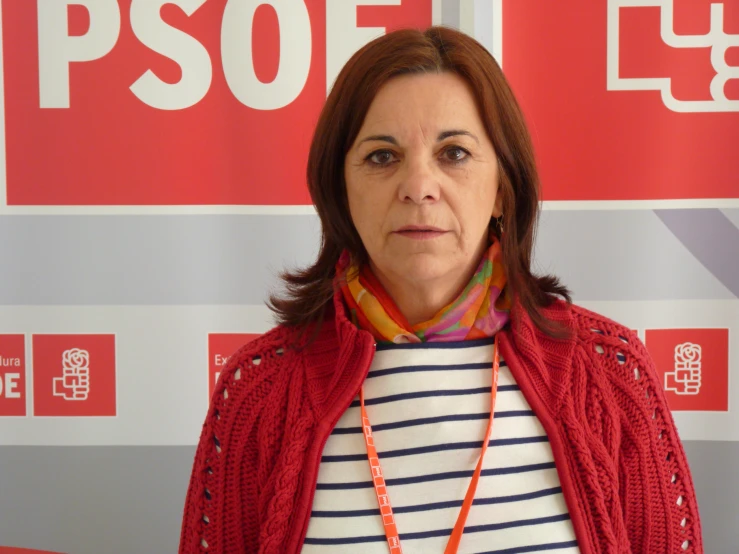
(429, 405)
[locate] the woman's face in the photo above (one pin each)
(422, 181)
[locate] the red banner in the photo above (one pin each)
(150, 103)
(145, 104)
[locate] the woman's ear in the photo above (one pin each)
(498, 205)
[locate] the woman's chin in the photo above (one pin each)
(421, 268)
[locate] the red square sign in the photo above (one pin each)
(74, 375)
(220, 348)
(693, 365)
(628, 99)
(12, 375)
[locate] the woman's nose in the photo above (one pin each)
(418, 182)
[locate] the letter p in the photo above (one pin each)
(57, 49)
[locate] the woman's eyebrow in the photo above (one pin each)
(456, 132)
(382, 138)
(443, 135)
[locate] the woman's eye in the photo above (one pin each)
(455, 154)
(381, 157)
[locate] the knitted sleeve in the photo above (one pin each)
(214, 519)
(656, 493)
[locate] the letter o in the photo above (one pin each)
(237, 55)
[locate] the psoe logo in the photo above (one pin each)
(693, 364)
(74, 384)
(715, 39)
(686, 379)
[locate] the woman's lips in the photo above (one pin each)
(417, 234)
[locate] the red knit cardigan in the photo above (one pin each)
(623, 471)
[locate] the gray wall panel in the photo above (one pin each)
(143, 260)
(93, 500)
(233, 259)
(733, 215)
(717, 486)
(450, 13)
(622, 255)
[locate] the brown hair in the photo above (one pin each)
(402, 52)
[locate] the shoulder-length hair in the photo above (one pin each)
(411, 51)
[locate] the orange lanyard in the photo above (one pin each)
(383, 499)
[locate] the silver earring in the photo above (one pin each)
(499, 223)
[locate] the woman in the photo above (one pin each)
(420, 337)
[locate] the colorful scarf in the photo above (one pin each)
(480, 311)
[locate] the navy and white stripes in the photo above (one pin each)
(429, 405)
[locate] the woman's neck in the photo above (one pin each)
(421, 301)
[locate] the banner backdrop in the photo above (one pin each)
(153, 185)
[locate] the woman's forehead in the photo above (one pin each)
(427, 103)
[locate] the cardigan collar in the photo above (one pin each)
(338, 360)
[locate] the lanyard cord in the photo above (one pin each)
(383, 499)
